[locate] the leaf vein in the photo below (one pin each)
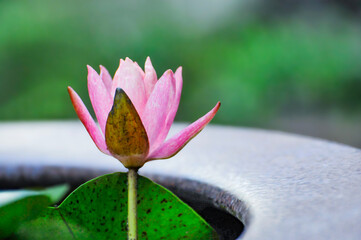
(66, 223)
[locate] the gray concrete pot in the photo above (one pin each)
(280, 186)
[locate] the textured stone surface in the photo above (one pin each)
(291, 187)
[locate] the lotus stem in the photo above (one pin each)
(132, 204)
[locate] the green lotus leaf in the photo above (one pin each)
(98, 210)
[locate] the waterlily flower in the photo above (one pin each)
(135, 112)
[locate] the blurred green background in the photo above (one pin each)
(286, 65)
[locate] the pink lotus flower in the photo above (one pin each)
(134, 131)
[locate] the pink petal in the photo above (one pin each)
(177, 142)
(99, 96)
(173, 110)
(129, 77)
(88, 122)
(107, 79)
(139, 69)
(150, 78)
(157, 108)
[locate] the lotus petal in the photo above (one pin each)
(150, 78)
(99, 97)
(88, 121)
(173, 110)
(177, 142)
(107, 79)
(129, 77)
(157, 108)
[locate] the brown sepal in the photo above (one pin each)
(125, 135)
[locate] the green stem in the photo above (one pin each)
(132, 204)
